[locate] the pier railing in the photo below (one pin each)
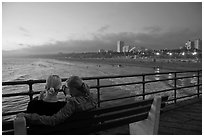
(197, 75)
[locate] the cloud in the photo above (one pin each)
(153, 29)
(103, 28)
(21, 44)
(24, 45)
(24, 31)
(171, 39)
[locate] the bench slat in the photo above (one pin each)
(8, 132)
(126, 106)
(121, 122)
(136, 104)
(124, 113)
(7, 125)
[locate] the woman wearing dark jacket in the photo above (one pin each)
(47, 103)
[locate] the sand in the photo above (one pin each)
(174, 65)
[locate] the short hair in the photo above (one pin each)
(77, 82)
(74, 82)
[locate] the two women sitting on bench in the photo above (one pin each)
(78, 99)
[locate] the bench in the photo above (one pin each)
(142, 117)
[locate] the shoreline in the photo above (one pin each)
(175, 66)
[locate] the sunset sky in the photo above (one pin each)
(76, 27)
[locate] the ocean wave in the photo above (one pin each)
(42, 65)
(60, 62)
(22, 77)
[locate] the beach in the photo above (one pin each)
(164, 64)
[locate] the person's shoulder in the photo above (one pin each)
(78, 100)
(61, 102)
(32, 102)
(73, 100)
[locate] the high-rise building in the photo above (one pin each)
(125, 48)
(189, 45)
(120, 45)
(198, 44)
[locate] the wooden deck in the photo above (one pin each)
(184, 118)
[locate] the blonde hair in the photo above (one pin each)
(53, 83)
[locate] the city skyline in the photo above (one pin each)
(75, 27)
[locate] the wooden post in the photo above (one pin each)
(198, 83)
(98, 91)
(175, 86)
(19, 125)
(30, 83)
(143, 85)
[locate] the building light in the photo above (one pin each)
(194, 53)
(183, 53)
(170, 53)
(157, 53)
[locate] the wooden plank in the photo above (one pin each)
(120, 107)
(123, 114)
(8, 132)
(120, 122)
(7, 125)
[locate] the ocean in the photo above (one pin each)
(18, 69)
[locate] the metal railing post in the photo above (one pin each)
(30, 83)
(175, 86)
(198, 82)
(98, 91)
(143, 86)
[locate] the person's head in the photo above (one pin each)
(53, 84)
(77, 87)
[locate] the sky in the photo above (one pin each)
(52, 27)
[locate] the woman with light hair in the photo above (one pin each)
(47, 103)
(78, 99)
